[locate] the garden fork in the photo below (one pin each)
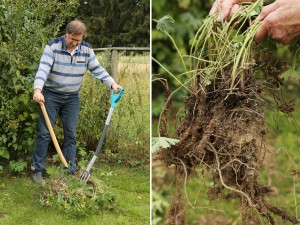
(85, 175)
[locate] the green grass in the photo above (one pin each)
(143, 59)
(19, 200)
(129, 130)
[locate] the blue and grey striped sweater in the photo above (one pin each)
(61, 72)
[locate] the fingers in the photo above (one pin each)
(222, 7)
(261, 33)
(226, 8)
(233, 10)
(119, 87)
(39, 98)
(116, 90)
(115, 87)
(214, 8)
(266, 10)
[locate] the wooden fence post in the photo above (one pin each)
(114, 63)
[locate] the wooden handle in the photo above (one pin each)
(61, 156)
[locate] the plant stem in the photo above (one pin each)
(182, 61)
(182, 85)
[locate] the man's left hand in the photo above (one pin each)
(115, 87)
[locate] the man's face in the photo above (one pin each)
(73, 40)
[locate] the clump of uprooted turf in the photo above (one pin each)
(69, 194)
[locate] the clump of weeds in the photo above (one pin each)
(228, 78)
(76, 198)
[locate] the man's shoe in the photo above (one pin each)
(37, 178)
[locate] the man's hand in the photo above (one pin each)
(226, 8)
(280, 21)
(38, 96)
(115, 87)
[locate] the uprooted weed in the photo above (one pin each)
(223, 128)
(225, 132)
(76, 198)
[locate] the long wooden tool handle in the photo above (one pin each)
(61, 156)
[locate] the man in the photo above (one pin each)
(280, 20)
(60, 73)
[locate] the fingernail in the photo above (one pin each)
(258, 18)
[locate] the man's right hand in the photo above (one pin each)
(38, 96)
(280, 21)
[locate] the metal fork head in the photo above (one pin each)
(84, 176)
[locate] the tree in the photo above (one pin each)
(116, 23)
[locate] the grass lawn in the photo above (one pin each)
(19, 200)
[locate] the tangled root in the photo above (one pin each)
(224, 131)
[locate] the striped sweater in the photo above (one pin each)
(61, 72)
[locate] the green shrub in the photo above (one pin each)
(25, 28)
(17, 166)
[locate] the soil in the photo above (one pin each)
(224, 131)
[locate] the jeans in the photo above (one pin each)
(66, 106)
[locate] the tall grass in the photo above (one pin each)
(132, 121)
(128, 137)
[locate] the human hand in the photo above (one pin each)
(226, 8)
(280, 21)
(38, 96)
(115, 87)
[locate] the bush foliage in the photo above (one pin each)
(25, 28)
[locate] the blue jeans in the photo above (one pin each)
(65, 106)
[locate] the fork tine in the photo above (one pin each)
(84, 177)
(87, 178)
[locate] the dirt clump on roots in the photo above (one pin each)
(176, 213)
(224, 130)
